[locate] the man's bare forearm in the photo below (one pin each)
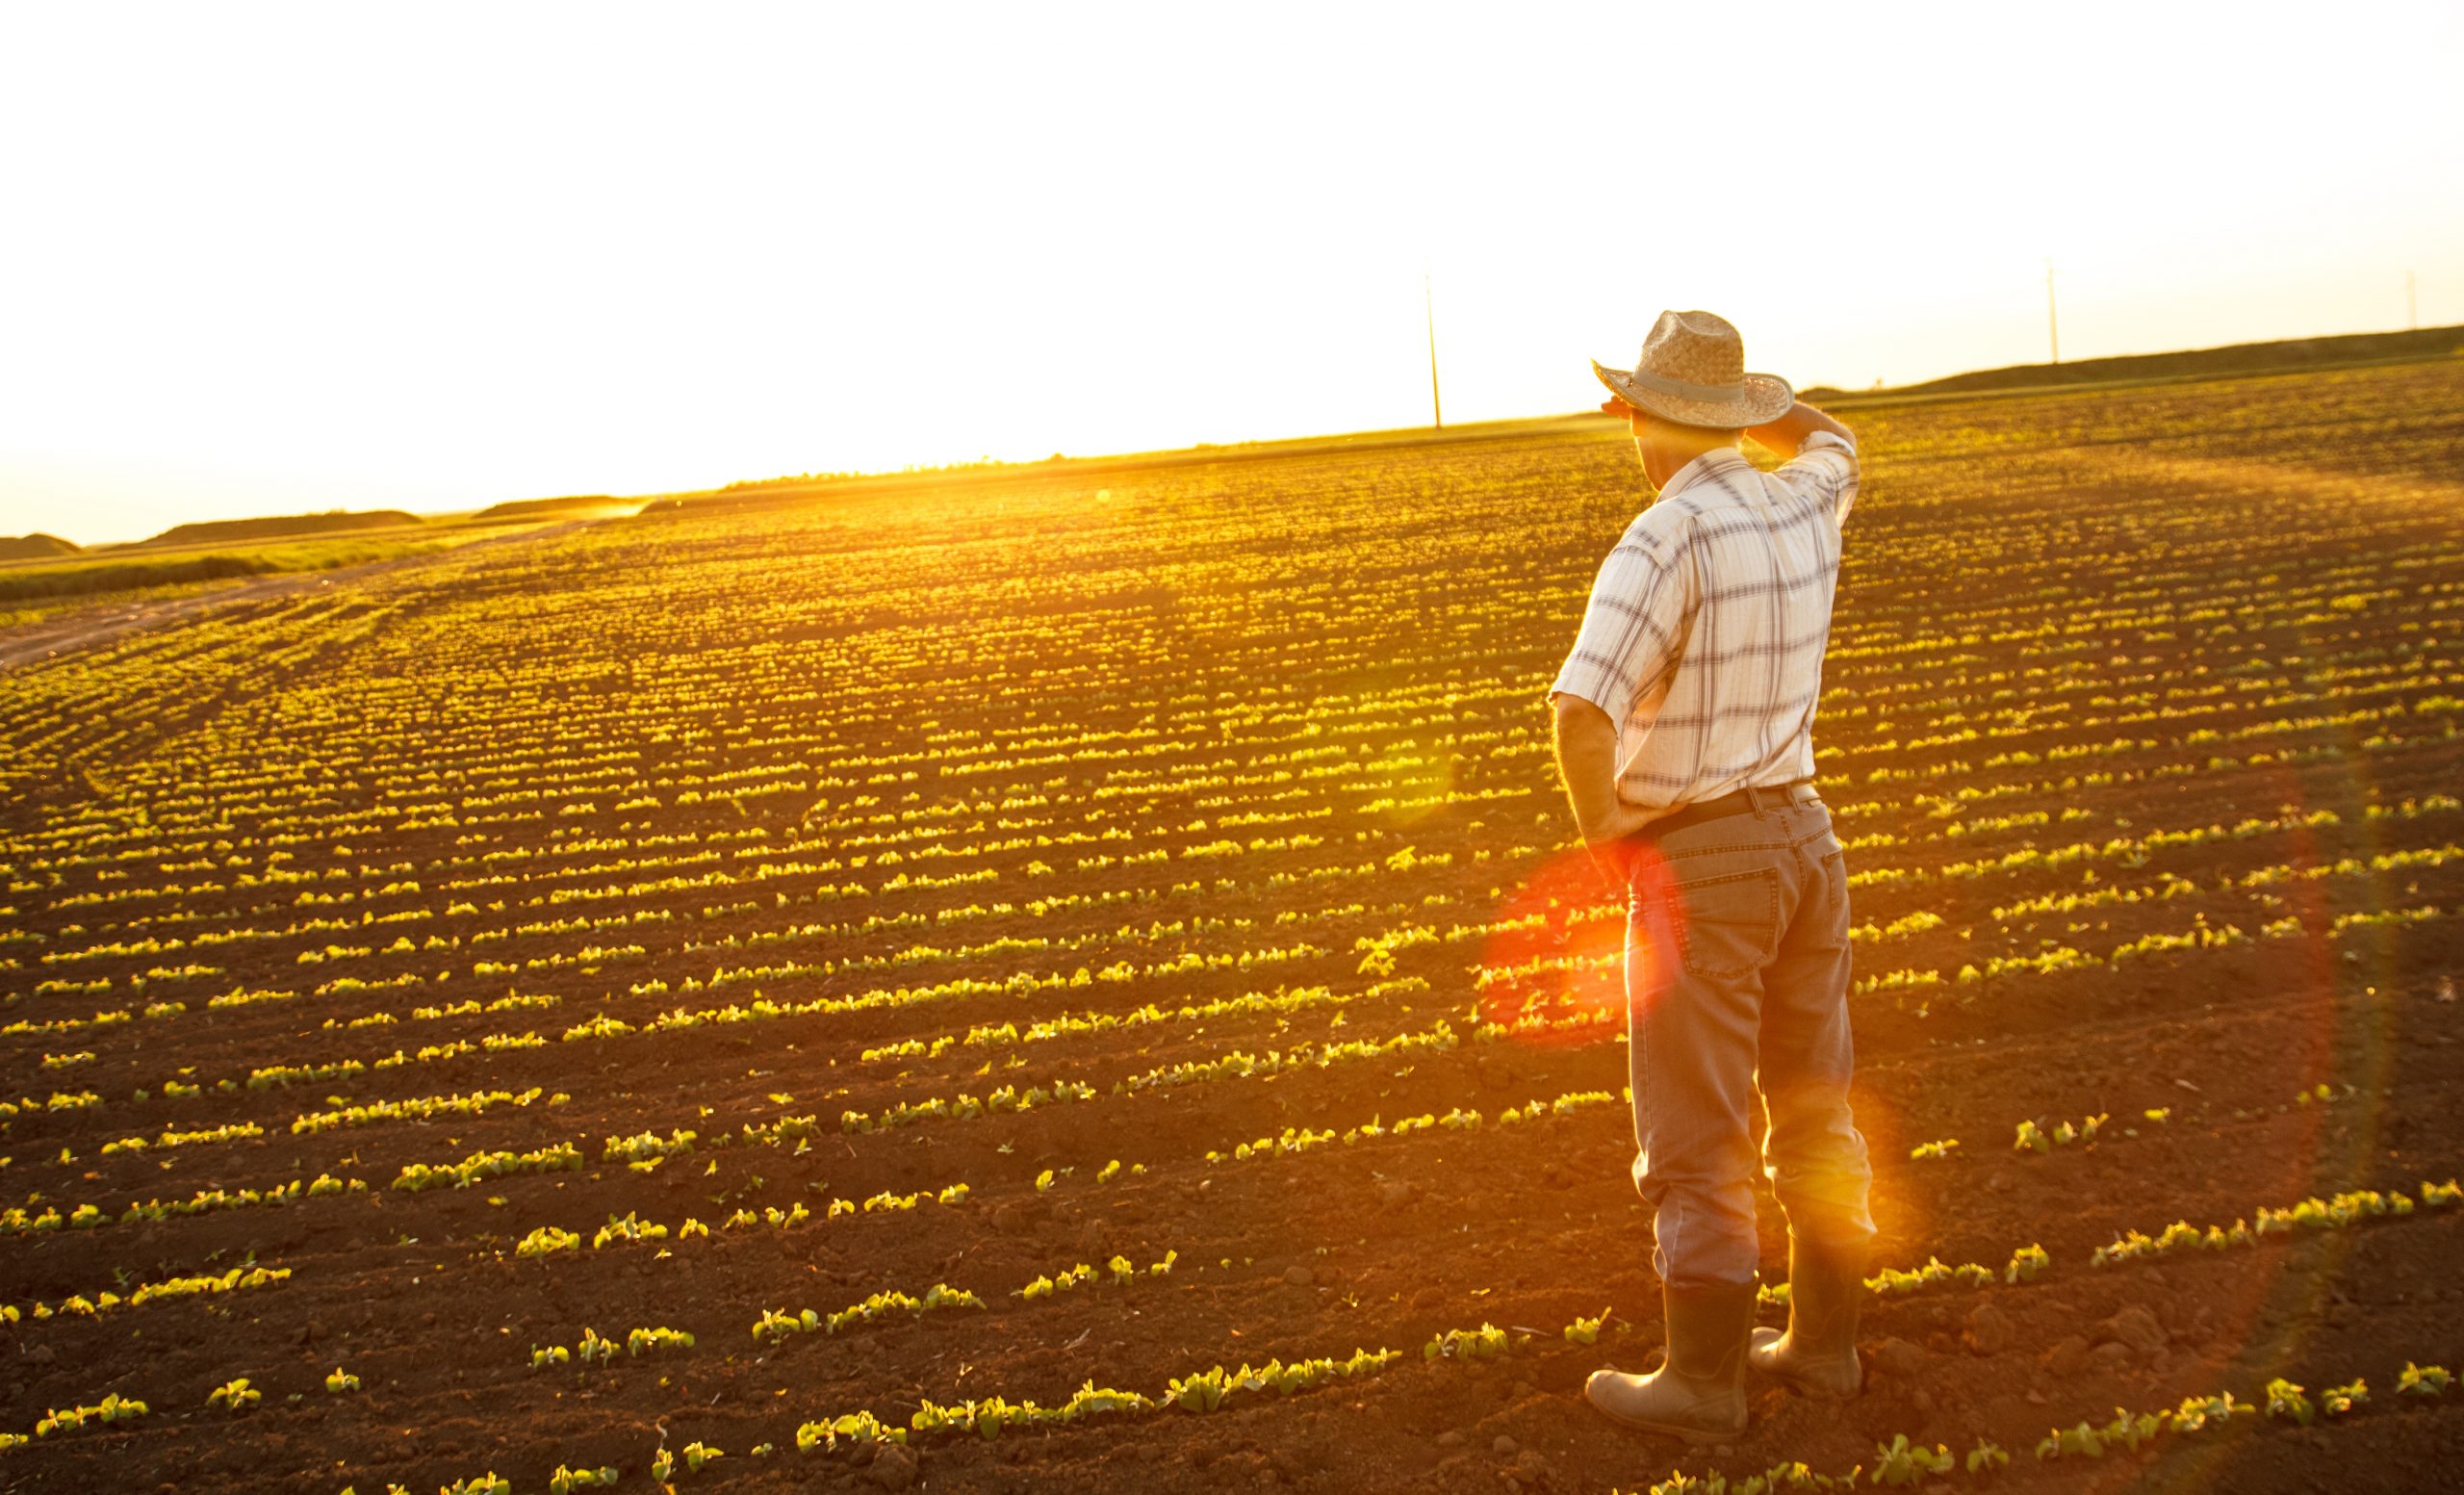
(1587, 762)
(1787, 434)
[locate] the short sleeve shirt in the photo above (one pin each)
(1704, 637)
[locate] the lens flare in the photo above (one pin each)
(1553, 971)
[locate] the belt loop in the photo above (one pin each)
(1754, 797)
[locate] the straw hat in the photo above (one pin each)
(1692, 371)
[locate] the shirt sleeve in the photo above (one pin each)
(1824, 467)
(1634, 626)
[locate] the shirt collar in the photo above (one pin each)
(1719, 459)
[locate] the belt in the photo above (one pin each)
(1796, 791)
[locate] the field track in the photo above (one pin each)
(86, 627)
(689, 921)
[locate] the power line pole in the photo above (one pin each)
(2052, 324)
(1428, 304)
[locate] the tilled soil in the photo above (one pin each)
(2314, 1051)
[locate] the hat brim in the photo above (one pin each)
(1761, 399)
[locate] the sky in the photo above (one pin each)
(266, 259)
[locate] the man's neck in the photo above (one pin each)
(1662, 463)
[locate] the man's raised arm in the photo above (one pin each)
(1786, 434)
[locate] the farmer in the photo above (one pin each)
(1683, 732)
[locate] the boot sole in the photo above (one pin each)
(1809, 1390)
(1698, 1436)
(1694, 1436)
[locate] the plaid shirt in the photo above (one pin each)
(1704, 633)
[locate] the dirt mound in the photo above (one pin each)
(35, 547)
(2233, 358)
(214, 531)
(528, 508)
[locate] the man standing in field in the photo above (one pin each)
(1683, 719)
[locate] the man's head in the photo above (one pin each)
(1689, 392)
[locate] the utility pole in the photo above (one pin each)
(2052, 324)
(2412, 307)
(1428, 304)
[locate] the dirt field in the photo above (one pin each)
(70, 625)
(685, 922)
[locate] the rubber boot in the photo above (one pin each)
(1817, 1357)
(1698, 1394)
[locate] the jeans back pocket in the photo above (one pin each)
(1729, 923)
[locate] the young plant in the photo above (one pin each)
(112, 1408)
(1466, 1344)
(854, 1427)
(2285, 1400)
(547, 1241)
(777, 1326)
(2422, 1380)
(642, 1340)
(2196, 1412)
(2131, 1431)
(1896, 1462)
(2080, 1441)
(2337, 1401)
(235, 1396)
(2025, 1263)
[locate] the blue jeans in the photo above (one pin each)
(1736, 979)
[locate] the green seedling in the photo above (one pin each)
(2196, 1412)
(2422, 1380)
(855, 1428)
(235, 1396)
(2080, 1441)
(2131, 1431)
(1482, 1343)
(2026, 1263)
(2285, 1400)
(1897, 1462)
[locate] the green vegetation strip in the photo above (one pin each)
(1900, 1462)
(1207, 1390)
(78, 1305)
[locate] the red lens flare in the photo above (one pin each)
(1555, 972)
